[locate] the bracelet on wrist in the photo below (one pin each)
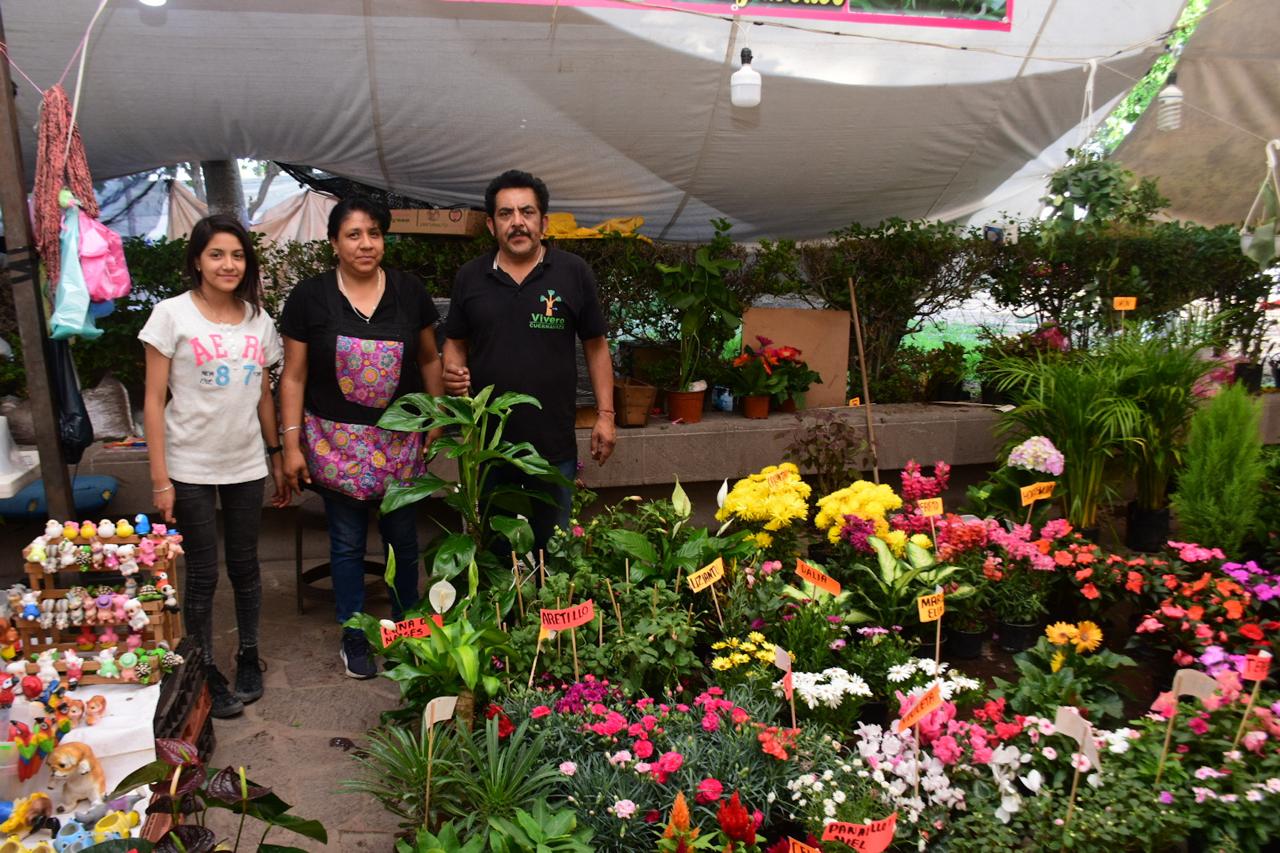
(161, 491)
(289, 429)
(272, 451)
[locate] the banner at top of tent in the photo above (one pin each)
(960, 14)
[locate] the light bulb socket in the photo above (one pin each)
(746, 56)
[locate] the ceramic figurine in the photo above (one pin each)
(11, 646)
(107, 667)
(94, 709)
(88, 530)
(109, 636)
(28, 815)
(87, 640)
(124, 528)
(84, 557)
(75, 713)
(30, 606)
(175, 545)
(7, 686)
(67, 552)
(160, 529)
(103, 603)
(141, 524)
(131, 587)
(147, 592)
(110, 556)
(48, 672)
(75, 669)
(51, 559)
(128, 563)
(98, 811)
(170, 598)
(128, 664)
(52, 529)
(17, 668)
(75, 605)
(61, 615)
(35, 551)
(32, 687)
(106, 529)
(75, 767)
(118, 613)
(70, 530)
(46, 614)
(133, 642)
(97, 554)
(138, 618)
(147, 552)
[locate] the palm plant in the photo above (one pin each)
(493, 778)
(393, 770)
(1081, 404)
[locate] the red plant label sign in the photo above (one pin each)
(930, 506)
(1124, 303)
(817, 577)
(1257, 666)
(705, 577)
(794, 846)
(418, 627)
(930, 701)
(1037, 492)
(788, 685)
(867, 837)
(569, 617)
(931, 606)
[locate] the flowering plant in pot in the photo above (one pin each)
(754, 377)
(1031, 461)
(1067, 666)
(774, 504)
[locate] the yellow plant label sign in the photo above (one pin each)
(705, 577)
(1037, 492)
(931, 606)
(1124, 303)
(930, 506)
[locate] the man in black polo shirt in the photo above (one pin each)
(513, 319)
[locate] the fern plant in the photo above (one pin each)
(1220, 492)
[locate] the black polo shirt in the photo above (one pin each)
(521, 337)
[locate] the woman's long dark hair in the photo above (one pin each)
(250, 287)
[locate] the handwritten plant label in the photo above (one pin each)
(931, 606)
(706, 576)
(930, 506)
(569, 617)
(417, 627)
(930, 701)
(1124, 303)
(1256, 666)
(794, 846)
(1069, 722)
(868, 837)
(855, 402)
(439, 709)
(1193, 682)
(817, 577)
(1037, 492)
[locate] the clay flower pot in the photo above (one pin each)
(756, 406)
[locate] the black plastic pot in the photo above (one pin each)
(992, 396)
(874, 713)
(1017, 636)
(1147, 529)
(965, 645)
(1249, 375)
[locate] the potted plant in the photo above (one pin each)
(708, 312)
(946, 373)
(753, 377)
(797, 377)
(1048, 340)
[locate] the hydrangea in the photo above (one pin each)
(1037, 454)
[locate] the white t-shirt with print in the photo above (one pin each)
(212, 432)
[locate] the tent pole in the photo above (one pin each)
(28, 303)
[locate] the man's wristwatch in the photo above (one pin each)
(272, 451)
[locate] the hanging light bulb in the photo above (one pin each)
(153, 2)
(744, 85)
(1169, 106)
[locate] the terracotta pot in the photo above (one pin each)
(756, 406)
(788, 405)
(685, 406)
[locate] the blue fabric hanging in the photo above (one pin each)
(71, 317)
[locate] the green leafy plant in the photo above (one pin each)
(473, 439)
(1062, 670)
(1219, 492)
(444, 841)
(709, 311)
(186, 789)
(493, 778)
(539, 831)
(393, 770)
(886, 594)
(827, 449)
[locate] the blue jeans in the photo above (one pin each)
(348, 534)
(543, 517)
(194, 508)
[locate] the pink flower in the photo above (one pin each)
(1050, 753)
(643, 748)
(568, 768)
(670, 762)
(1080, 761)
(710, 722)
(1165, 705)
(1254, 741)
(623, 809)
(709, 791)
(1198, 725)
(1166, 798)
(947, 750)
(539, 712)
(619, 758)
(643, 767)
(578, 531)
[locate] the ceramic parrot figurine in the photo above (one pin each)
(141, 524)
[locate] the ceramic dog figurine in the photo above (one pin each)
(95, 708)
(75, 770)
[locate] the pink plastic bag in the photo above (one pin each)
(102, 260)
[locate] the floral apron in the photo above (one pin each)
(357, 459)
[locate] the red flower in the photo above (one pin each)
(1089, 591)
(735, 821)
(709, 790)
(652, 816)
(1251, 631)
(505, 726)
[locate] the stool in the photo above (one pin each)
(309, 515)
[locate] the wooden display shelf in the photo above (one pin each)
(166, 561)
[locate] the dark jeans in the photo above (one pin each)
(348, 534)
(543, 517)
(194, 507)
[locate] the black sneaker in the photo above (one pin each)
(225, 703)
(355, 655)
(249, 669)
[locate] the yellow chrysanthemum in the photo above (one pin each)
(1061, 633)
(1088, 637)
(921, 541)
(897, 541)
(764, 657)
(863, 499)
(1058, 660)
(762, 539)
(775, 497)
(755, 637)
(749, 647)
(732, 642)
(738, 658)
(721, 664)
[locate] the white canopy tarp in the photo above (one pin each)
(622, 111)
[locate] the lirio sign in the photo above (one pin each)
(991, 15)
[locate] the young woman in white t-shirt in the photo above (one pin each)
(209, 354)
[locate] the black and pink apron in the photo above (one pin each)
(357, 459)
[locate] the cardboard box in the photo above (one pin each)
(453, 221)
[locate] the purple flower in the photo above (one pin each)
(757, 624)
(1166, 797)
(837, 645)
